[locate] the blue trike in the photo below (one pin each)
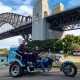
(18, 66)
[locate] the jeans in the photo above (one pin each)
(27, 57)
(41, 64)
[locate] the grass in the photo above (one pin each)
(77, 64)
(54, 65)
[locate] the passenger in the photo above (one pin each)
(37, 59)
(24, 52)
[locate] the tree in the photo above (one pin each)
(75, 47)
(70, 41)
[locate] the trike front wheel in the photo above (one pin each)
(70, 70)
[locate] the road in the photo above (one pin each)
(44, 76)
(54, 74)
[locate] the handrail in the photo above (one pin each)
(18, 55)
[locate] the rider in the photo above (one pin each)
(37, 59)
(24, 52)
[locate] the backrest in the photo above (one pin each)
(11, 56)
(18, 56)
(12, 53)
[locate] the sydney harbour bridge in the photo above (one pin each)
(12, 24)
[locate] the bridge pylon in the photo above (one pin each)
(40, 11)
(40, 27)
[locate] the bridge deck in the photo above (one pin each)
(63, 20)
(17, 31)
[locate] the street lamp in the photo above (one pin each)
(63, 47)
(54, 50)
(49, 50)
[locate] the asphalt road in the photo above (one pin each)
(44, 76)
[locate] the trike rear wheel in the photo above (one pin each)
(15, 70)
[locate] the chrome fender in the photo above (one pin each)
(63, 64)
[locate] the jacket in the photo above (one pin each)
(22, 48)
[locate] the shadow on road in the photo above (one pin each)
(49, 74)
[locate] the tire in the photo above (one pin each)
(68, 73)
(15, 70)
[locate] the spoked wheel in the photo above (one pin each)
(70, 70)
(15, 70)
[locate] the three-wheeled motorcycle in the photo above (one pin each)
(18, 66)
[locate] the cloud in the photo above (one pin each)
(74, 2)
(4, 8)
(23, 2)
(27, 2)
(75, 32)
(9, 42)
(24, 10)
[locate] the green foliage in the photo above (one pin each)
(71, 42)
(32, 44)
(75, 47)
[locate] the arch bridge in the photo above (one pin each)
(22, 25)
(12, 24)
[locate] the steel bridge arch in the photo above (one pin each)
(15, 20)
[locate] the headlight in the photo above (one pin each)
(57, 56)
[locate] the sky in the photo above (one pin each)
(25, 7)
